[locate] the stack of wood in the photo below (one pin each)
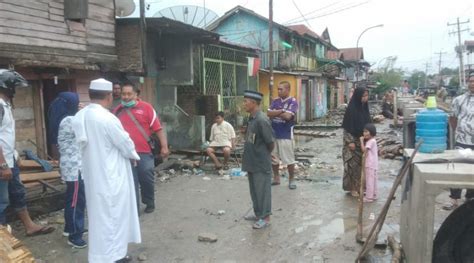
(389, 148)
(33, 176)
(12, 250)
(316, 134)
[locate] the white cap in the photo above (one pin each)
(101, 84)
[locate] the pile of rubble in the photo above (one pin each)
(389, 144)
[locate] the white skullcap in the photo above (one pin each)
(101, 85)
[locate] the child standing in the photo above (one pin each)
(368, 145)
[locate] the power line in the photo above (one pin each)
(331, 13)
(297, 8)
(312, 12)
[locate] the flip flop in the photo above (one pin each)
(43, 231)
(260, 224)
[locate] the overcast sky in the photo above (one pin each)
(413, 29)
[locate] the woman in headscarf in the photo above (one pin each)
(66, 104)
(356, 117)
(61, 114)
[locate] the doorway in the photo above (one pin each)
(51, 90)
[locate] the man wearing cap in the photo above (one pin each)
(257, 160)
(282, 112)
(107, 152)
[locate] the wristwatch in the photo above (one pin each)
(4, 166)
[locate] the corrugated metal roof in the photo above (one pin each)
(304, 30)
(354, 54)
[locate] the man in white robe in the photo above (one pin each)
(107, 152)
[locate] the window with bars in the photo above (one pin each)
(226, 74)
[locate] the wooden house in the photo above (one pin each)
(57, 45)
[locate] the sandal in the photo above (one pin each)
(275, 183)
(292, 185)
(450, 206)
(250, 217)
(260, 224)
(43, 231)
(355, 194)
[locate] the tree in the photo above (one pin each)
(417, 79)
(388, 79)
(454, 81)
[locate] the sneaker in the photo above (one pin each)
(149, 209)
(77, 243)
(65, 234)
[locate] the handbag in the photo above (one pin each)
(152, 142)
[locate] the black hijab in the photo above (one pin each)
(357, 114)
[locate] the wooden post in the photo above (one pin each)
(270, 51)
(395, 109)
(143, 35)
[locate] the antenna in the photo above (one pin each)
(124, 7)
(189, 14)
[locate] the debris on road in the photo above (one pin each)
(207, 237)
(221, 212)
(142, 257)
(316, 134)
(12, 249)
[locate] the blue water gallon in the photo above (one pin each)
(432, 127)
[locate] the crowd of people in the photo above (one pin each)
(107, 153)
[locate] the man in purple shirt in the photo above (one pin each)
(282, 113)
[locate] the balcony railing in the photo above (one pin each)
(288, 60)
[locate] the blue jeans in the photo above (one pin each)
(12, 193)
(144, 178)
(74, 209)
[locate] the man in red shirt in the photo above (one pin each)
(139, 119)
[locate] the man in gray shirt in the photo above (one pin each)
(462, 120)
(257, 160)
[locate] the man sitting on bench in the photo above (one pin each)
(223, 138)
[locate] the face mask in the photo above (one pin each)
(129, 104)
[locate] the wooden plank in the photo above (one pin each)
(66, 38)
(35, 41)
(25, 134)
(57, 18)
(23, 97)
(56, 4)
(34, 13)
(25, 18)
(40, 28)
(101, 41)
(57, 11)
(101, 3)
(100, 33)
(31, 177)
(28, 4)
(40, 127)
(97, 25)
(31, 164)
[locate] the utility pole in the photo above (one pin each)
(440, 53)
(143, 35)
(270, 50)
(426, 73)
(458, 31)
